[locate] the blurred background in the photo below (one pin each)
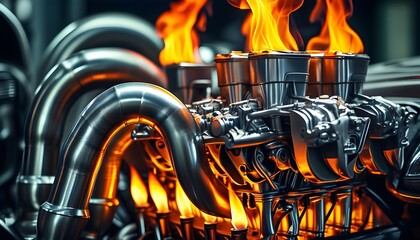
(389, 29)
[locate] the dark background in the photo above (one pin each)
(388, 28)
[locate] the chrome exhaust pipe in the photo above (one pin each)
(104, 202)
(15, 93)
(15, 47)
(64, 214)
(102, 30)
(87, 70)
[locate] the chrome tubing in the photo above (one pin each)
(277, 77)
(102, 30)
(14, 47)
(87, 70)
(233, 76)
(15, 93)
(64, 214)
(104, 202)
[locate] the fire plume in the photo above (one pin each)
(209, 218)
(184, 205)
(269, 28)
(158, 193)
(239, 219)
(336, 34)
(177, 28)
(138, 189)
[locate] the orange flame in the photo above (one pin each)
(183, 202)
(269, 28)
(176, 27)
(209, 218)
(138, 189)
(158, 194)
(241, 4)
(336, 34)
(239, 220)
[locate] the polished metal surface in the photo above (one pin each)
(395, 78)
(15, 93)
(317, 204)
(388, 134)
(14, 47)
(337, 74)
(162, 228)
(405, 184)
(278, 76)
(233, 76)
(104, 202)
(85, 71)
(119, 30)
(303, 167)
(327, 152)
(192, 82)
(69, 218)
(187, 228)
(122, 106)
(251, 146)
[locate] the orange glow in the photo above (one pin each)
(336, 34)
(183, 202)
(209, 218)
(269, 28)
(158, 194)
(239, 220)
(338, 215)
(308, 220)
(107, 141)
(138, 189)
(254, 216)
(195, 211)
(176, 27)
(370, 223)
(241, 4)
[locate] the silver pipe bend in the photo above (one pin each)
(15, 47)
(111, 111)
(12, 119)
(104, 202)
(102, 30)
(98, 68)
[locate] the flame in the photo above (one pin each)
(338, 215)
(269, 28)
(176, 27)
(307, 222)
(336, 34)
(158, 194)
(241, 4)
(209, 219)
(138, 189)
(239, 220)
(183, 202)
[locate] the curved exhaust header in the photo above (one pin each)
(113, 110)
(102, 30)
(88, 70)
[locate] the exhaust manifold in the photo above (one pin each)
(122, 106)
(285, 155)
